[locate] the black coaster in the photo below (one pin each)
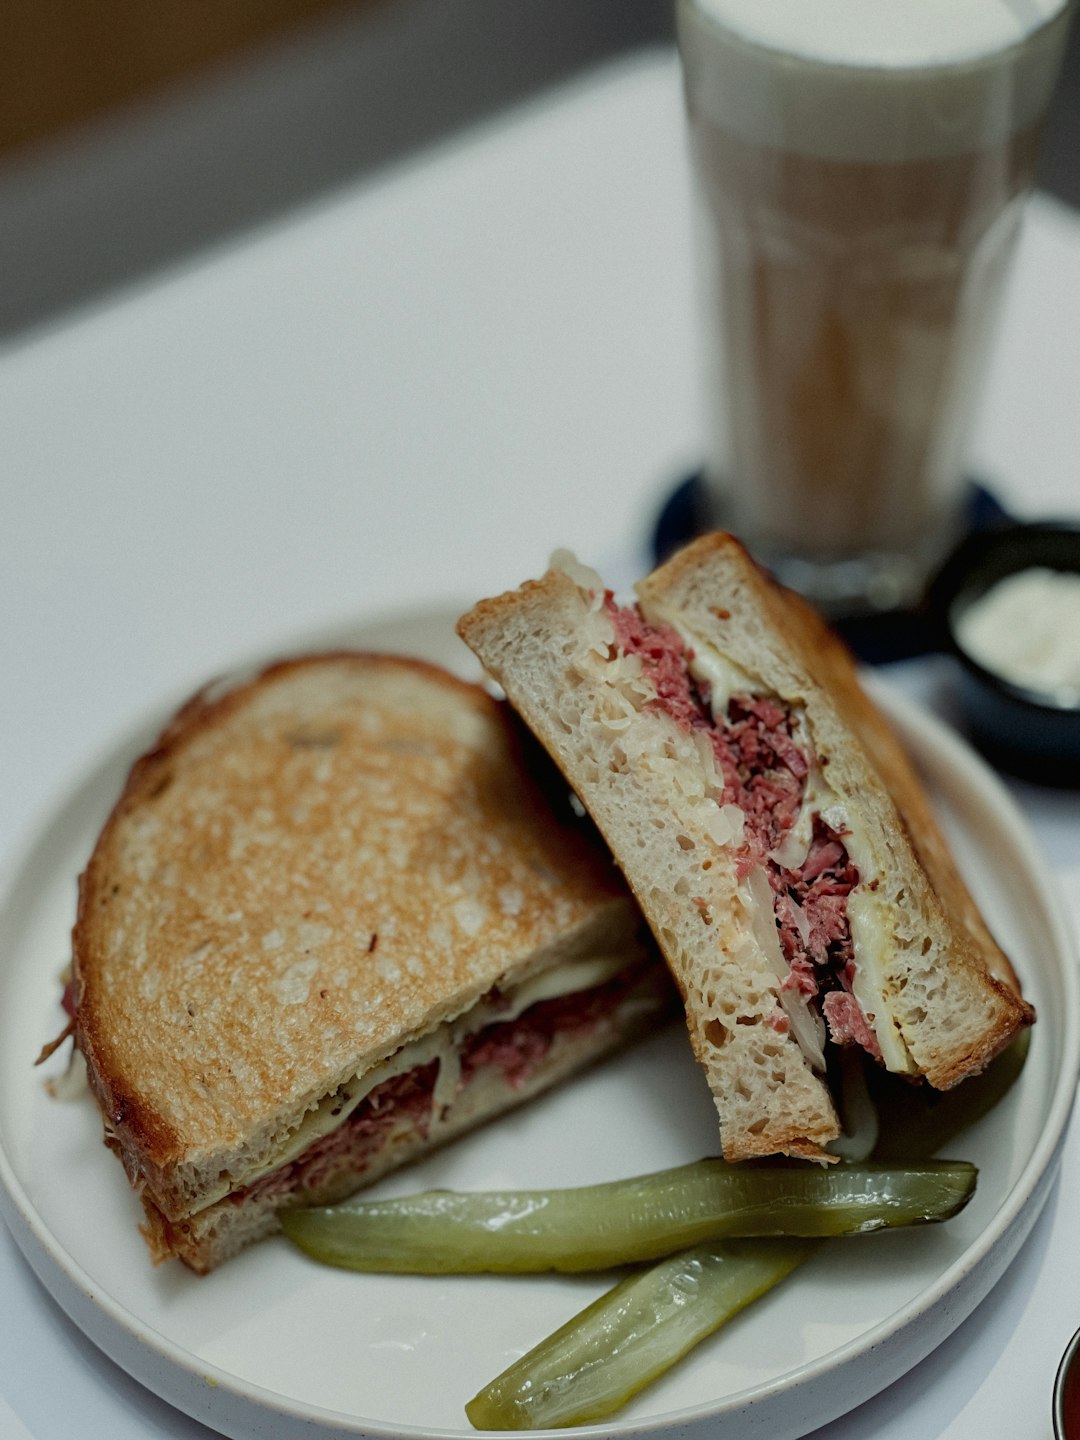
(877, 638)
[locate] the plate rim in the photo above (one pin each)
(136, 1344)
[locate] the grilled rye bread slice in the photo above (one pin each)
(310, 873)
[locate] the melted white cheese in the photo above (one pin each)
(723, 677)
(869, 923)
(442, 1044)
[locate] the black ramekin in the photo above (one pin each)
(1020, 729)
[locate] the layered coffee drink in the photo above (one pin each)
(861, 167)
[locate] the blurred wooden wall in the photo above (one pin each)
(63, 62)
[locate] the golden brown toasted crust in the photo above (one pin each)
(305, 872)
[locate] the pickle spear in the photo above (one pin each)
(622, 1342)
(596, 1226)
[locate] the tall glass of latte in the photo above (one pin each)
(860, 169)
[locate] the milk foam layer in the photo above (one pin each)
(888, 80)
(884, 33)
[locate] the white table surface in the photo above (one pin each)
(414, 389)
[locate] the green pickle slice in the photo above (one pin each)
(596, 1362)
(720, 1236)
(594, 1227)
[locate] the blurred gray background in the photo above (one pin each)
(134, 135)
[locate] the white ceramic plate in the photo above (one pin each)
(274, 1345)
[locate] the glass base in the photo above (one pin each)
(874, 601)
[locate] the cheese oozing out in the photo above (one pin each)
(443, 1044)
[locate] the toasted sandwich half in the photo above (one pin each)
(771, 826)
(336, 918)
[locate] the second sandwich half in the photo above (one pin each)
(771, 826)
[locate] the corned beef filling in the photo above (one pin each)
(514, 1047)
(764, 772)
